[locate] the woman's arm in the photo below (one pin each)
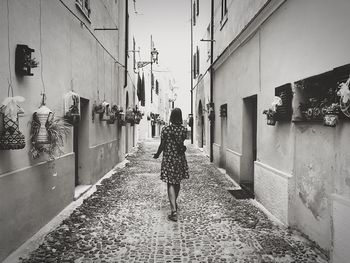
(160, 149)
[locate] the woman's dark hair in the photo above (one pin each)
(176, 116)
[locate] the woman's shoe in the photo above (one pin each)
(173, 216)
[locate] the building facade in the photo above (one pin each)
(296, 51)
(76, 53)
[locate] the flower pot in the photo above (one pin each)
(271, 121)
(330, 119)
(42, 115)
(130, 116)
(72, 107)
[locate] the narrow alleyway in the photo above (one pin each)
(125, 220)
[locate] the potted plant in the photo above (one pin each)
(272, 111)
(130, 116)
(344, 94)
(47, 133)
(72, 107)
(330, 115)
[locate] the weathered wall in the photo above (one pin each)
(299, 40)
(291, 51)
(34, 191)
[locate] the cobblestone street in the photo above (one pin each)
(125, 220)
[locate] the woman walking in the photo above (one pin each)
(174, 165)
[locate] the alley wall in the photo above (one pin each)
(70, 58)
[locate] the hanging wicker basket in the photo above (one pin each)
(72, 107)
(10, 136)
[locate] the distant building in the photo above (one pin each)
(75, 53)
(297, 51)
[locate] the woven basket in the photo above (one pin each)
(10, 138)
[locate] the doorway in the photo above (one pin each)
(249, 148)
(81, 145)
(200, 132)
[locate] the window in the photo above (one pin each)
(84, 7)
(223, 9)
(197, 61)
(196, 64)
(223, 12)
(197, 13)
(194, 13)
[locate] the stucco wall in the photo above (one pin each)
(33, 191)
(30, 197)
(291, 51)
(299, 40)
(239, 15)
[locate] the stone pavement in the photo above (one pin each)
(125, 220)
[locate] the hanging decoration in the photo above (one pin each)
(47, 132)
(272, 111)
(71, 107)
(137, 114)
(130, 116)
(120, 116)
(10, 136)
(105, 116)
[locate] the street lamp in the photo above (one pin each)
(154, 59)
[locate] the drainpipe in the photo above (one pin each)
(211, 77)
(192, 70)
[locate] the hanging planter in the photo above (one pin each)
(130, 116)
(105, 116)
(10, 136)
(138, 115)
(270, 117)
(113, 115)
(331, 115)
(72, 107)
(47, 132)
(272, 111)
(120, 116)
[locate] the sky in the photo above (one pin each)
(168, 21)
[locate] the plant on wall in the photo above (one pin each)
(331, 115)
(344, 94)
(10, 136)
(24, 61)
(272, 111)
(138, 114)
(130, 116)
(47, 133)
(72, 107)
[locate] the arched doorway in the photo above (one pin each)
(200, 126)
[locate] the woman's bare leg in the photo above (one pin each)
(177, 190)
(172, 197)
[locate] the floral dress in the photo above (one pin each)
(174, 164)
